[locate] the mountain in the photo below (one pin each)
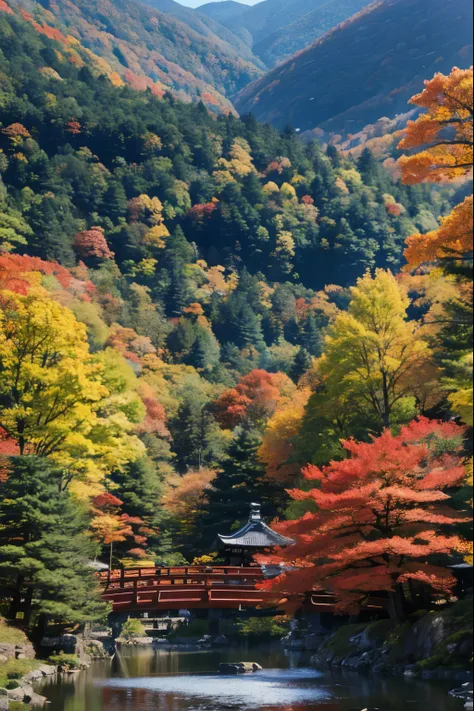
(287, 40)
(225, 11)
(278, 28)
(207, 26)
(366, 68)
(229, 13)
(174, 49)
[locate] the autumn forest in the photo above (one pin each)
(199, 311)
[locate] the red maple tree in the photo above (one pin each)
(254, 398)
(383, 519)
(16, 270)
(91, 244)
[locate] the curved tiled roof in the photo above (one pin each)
(255, 534)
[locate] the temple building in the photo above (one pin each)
(254, 537)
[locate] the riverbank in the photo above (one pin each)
(431, 645)
(21, 669)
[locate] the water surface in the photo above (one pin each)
(148, 680)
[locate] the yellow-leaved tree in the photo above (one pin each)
(374, 356)
(53, 395)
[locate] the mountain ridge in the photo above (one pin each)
(275, 29)
(376, 66)
(148, 48)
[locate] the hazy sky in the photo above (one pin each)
(196, 3)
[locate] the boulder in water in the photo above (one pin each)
(239, 668)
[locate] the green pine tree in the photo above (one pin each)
(240, 482)
(205, 351)
(45, 551)
(301, 364)
(313, 340)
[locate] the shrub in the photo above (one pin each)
(264, 627)
(66, 660)
(133, 629)
(196, 628)
(12, 684)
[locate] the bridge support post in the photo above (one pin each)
(214, 617)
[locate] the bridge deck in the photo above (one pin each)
(193, 587)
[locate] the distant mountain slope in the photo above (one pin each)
(225, 11)
(228, 13)
(278, 28)
(207, 25)
(147, 47)
(305, 30)
(366, 68)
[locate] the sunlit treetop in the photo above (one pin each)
(444, 132)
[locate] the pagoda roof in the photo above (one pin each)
(255, 534)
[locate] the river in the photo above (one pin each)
(148, 680)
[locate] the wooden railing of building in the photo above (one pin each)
(194, 587)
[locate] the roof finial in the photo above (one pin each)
(255, 513)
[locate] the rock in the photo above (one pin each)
(466, 692)
(95, 649)
(33, 676)
(30, 697)
(312, 642)
(69, 643)
(48, 669)
(3, 700)
(19, 693)
(210, 641)
(3, 659)
(135, 642)
(7, 650)
(239, 668)
(24, 651)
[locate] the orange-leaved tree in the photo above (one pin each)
(111, 526)
(254, 399)
(383, 518)
(444, 131)
(441, 140)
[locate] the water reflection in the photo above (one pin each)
(161, 681)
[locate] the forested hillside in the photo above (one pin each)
(180, 330)
(143, 47)
(306, 23)
(377, 60)
(276, 29)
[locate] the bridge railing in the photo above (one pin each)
(202, 587)
(186, 575)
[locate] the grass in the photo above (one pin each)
(11, 635)
(16, 668)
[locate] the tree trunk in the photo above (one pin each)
(396, 606)
(386, 402)
(15, 604)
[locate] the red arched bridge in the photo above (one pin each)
(205, 588)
